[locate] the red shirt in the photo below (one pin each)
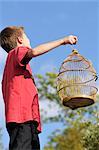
(19, 91)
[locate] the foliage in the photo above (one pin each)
(91, 138)
(82, 136)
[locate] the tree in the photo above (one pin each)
(91, 138)
(72, 119)
(80, 137)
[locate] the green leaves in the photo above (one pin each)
(91, 137)
(82, 136)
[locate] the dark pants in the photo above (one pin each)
(23, 136)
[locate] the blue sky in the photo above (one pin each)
(49, 20)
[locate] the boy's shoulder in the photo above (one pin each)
(17, 50)
(19, 54)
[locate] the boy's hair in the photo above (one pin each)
(8, 37)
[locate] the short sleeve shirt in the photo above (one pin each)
(19, 91)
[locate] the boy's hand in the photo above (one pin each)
(71, 39)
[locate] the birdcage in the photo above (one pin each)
(76, 81)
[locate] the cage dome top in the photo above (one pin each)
(76, 61)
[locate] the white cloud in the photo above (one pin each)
(3, 55)
(2, 115)
(2, 61)
(51, 109)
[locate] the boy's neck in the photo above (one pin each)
(18, 44)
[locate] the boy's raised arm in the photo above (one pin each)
(44, 48)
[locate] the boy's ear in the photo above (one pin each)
(19, 39)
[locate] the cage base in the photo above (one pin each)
(77, 102)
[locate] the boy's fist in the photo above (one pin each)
(71, 39)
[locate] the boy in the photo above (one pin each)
(18, 87)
